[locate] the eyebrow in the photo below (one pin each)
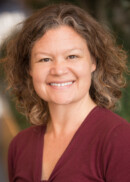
(69, 50)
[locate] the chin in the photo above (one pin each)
(61, 102)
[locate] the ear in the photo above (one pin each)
(30, 72)
(93, 65)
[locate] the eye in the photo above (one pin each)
(45, 60)
(72, 57)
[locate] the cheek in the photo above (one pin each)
(85, 73)
(38, 75)
(38, 81)
(39, 84)
(84, 70)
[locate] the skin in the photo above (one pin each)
(61, 56)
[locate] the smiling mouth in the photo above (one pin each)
(61, 84)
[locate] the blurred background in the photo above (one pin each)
(113, 13)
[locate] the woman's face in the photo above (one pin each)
(61, 66)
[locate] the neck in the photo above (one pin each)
(65, 118)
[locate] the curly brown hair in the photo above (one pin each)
(107, 79)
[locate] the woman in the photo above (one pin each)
(66, 73)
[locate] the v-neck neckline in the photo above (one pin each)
(40, 148)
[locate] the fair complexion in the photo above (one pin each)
(61, 68)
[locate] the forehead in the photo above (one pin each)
(60, 37)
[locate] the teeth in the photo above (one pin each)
(61, 84)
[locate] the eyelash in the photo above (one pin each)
(48, 59)
(72, 57)
(45, 60)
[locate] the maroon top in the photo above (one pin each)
(98, 152)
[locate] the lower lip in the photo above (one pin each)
(61, 87)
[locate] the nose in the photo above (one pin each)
(58, 68)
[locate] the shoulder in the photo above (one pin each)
(109, 120)
(26, 137)
(22, 150)
(114, 132)
(111, 134)
(28, 133)
(109, 127)
(109, 115)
